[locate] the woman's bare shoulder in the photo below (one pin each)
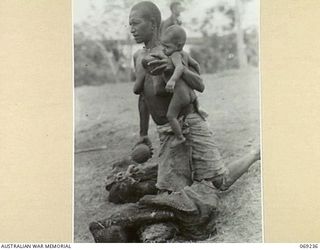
(138, 52)
(184, 54)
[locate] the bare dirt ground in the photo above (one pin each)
(107, 115)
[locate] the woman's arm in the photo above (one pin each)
(140, 76)
(193, 64)
(144, 123)
(144, 116)
(142, 107)
(192, 79)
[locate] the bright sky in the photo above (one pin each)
(196, 8)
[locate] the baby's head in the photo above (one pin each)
(173, 39)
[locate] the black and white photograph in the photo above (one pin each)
(167, 114)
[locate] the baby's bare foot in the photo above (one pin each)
(177, 141)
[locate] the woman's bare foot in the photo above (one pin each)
(256, 153)
(177, 141)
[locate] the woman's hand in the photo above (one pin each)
(145, 140)
(164, 63)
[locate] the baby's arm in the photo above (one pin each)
(178, 71)
(140, 75)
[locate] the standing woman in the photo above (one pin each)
(189, 175)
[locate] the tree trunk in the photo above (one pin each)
(242, 57)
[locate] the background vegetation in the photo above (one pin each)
(103, 46)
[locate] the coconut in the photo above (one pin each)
(141, 153)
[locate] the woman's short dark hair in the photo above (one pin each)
(150, 11)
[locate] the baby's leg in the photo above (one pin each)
(172, 115)
(180, 99)
(140, 76)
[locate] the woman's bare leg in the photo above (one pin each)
(240, 166)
